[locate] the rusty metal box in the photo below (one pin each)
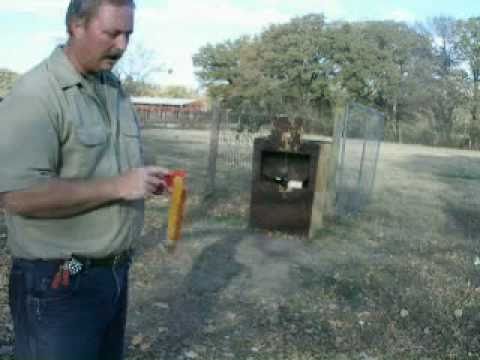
(288, 187)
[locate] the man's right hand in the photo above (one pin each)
(60, 198)
(140, 183)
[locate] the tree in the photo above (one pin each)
(446, 87)
(304, 66)
(176, 91)
(469, 50)
(135, 67)
(293, 57)
(284, 69)
(401, 54)
(218, 66)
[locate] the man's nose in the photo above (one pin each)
(121, 42)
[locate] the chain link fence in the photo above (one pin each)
(237, 133)
(218, 144)
(151, 119)
(358, 140)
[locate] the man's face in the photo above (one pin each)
(101, 42)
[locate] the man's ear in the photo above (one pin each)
(77, 28)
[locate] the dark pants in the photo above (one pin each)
(84, 321)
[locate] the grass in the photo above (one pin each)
(400, 280)
(397, 281)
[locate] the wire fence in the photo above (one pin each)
(174, 119)
(237, 133)
(359, 140)
(228, 139)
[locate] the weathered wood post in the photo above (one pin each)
(340, 113)
(213, 153)
(321, 197)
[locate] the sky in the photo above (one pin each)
(174, 30)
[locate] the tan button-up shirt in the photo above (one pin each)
(54, 124)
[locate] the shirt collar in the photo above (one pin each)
(63, 69)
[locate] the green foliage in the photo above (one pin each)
(177, 91)
(446, 87)
(469, 49)
(219, 66)
(469, 44)
(283, 70)
(415, 75)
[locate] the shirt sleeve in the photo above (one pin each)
(29, 143)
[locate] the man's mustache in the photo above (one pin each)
(115, 55)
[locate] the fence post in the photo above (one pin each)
(340, 112)
(213, 153)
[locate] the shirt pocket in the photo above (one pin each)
(92, 136)
(89, 150)
(89, 147)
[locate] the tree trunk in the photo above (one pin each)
(474, 123)
(398, 137)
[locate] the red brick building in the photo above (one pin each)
(168, 111)
(168, 105)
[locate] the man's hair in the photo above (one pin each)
(86, 9)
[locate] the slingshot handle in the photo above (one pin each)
(176, 211)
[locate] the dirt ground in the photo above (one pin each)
(217, 296)
(399, 280)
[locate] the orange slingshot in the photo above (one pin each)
(175, 180)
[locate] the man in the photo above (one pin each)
(73, 184)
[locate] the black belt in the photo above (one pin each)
(117, 259)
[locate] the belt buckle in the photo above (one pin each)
(117, 258)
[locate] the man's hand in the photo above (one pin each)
(141, 182)
(59, 198)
